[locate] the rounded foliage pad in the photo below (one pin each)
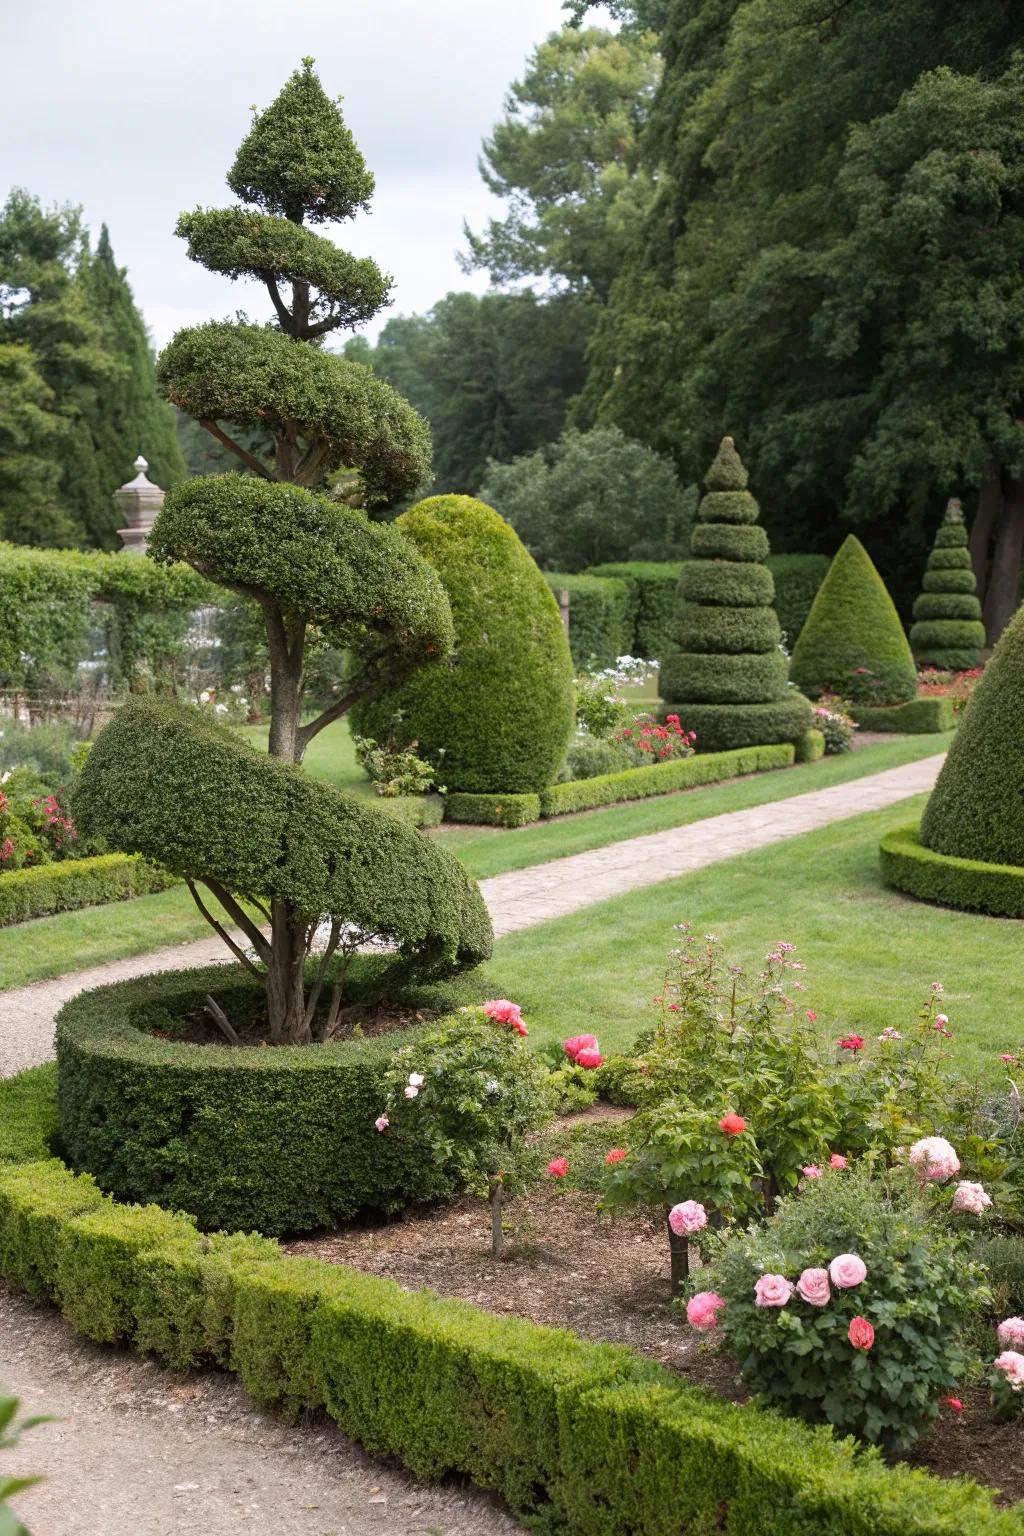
(725, 673)
(503, 710)
(976, 810)
(853, 628)
(165, 781)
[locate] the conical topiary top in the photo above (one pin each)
(976, 810)
(948, 631)
(853, 642)
(727, 676)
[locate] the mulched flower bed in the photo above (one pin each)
(607, 1278)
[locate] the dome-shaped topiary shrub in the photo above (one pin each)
(502, 711)
(728, 676)
(853, 642)
(976, 810)
(948, 631)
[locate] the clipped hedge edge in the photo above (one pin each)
(966, 884)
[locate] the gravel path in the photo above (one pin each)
(137, 1451)
(140, 1452)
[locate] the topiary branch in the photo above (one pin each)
(219, 929)
(235, 910)
(256, 465)
(284, 314)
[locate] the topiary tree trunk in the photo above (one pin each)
(318, 572)
(729, 677)
(948, 631)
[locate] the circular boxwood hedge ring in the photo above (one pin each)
(966, 884)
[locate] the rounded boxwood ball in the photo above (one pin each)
(502, 710)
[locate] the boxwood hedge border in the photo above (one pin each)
(966, 884)
(580, 1439)
(41, 890)
(917, 717)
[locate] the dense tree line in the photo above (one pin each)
(830, 270)
(78, 398)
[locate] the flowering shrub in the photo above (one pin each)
(472, 1091)
(847, 1305)
(647, 741)
(933, 682)
(394, 770)
(832, 718)
(35, 828)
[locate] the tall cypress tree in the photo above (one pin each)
(129, 417)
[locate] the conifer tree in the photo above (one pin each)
(948, 631)
(728, 680)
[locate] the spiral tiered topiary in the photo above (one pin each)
(728, 677)
(948, 631)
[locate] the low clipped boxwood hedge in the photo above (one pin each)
(918, 717)
(280, 1140)
(579, 1438)
(613, 788)
(966, 884)
(811, 746)
(602, 616)
(43, 889)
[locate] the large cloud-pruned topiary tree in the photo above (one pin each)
(948, 631)
(503, 710)
(728, 676)
(976, 810)
(853, 642)
(164, 781)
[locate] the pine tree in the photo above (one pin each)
(948, 631)
(129, 417)
(729, 678)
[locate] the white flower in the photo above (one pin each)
(411, 1091)
(416, 1079)
(221, 709)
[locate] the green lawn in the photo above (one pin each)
(74, 941)
(871, 954)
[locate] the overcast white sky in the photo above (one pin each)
(134, 109)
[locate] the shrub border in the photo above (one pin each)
(916, 717)
(617, 788)
(966, 884)
(66, 886)
(579, 1438)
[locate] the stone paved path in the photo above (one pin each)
(138, 1452)
(517, 899)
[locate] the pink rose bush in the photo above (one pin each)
(772, 1291)
(1011, 1363)
(1007, 1375)
(1010, 1333)
(687, 1218)
(583, 1051)
(861, 1333)
(934, 1158)
(813, 1287)
(503, 1012)
(971, 1197)
(847, 1270)
(702, 1310)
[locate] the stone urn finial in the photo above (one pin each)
(138, 502)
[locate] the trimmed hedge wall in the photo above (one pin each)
(811, 746)
(662, 778)
(580, 1439)
(652, 590)
(966, 884)
(602, 617)
(43, 889)
(918, 717)
(493, 810)
(282, 1140)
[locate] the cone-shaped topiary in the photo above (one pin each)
(976, 810)
(503, 711)
(728, 676)
(948, 631)
(853, 642)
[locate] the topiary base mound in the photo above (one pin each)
(275, 1139)
(967, 884)
(720, 727)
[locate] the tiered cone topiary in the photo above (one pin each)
(853, 643)
(948, 631)
(976, 810)
(728, 677)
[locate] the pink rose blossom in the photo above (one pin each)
(860, 1333)
(938, 988)
(971, 1197)
(690, 1216)
(1012, 1364)
(589, 1057)
(382, 1122)
(558, 1167)
(577, 1043)
(702, 1310)
(813, 1286)
(1011, 1331)
(847, 1270)
(837, 1160)
(890, 1034)
(1007, 1057)
(772, 1291)
(934, 1158)
(812, 1015)
(812, 1171)
(411, 1091)
(502, 1011)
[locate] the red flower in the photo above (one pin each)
(577, 1043)
(860, 1333)
(616, 1155)
(954, 1403)
(852, 1043)
(558, 1167)
(589, 1057)
(732, 1125)
(812, 1015)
